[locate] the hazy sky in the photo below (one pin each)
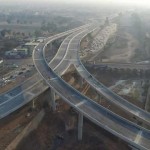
(137, 2)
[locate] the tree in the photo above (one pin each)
(25, 22)
(8, 20)
(37, 33)
(3, 32)
(51, 27)
(18, 21)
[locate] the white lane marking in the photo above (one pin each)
(53, 78)
(81, 103)
(61, 47)
(138, 137)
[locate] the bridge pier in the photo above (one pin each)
(81, 80)
(33, 104)
(52, 97)
(98, 97)
(80, 125)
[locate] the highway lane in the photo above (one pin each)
(20, 95)
(62, 51)
(111, 122)
(22, 98)
(70, 54)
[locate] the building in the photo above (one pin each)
(22, 51)
(18, 52)
(30, 46)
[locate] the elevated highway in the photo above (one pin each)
(124, 129)
(71, 57)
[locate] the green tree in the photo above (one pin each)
(37, 33)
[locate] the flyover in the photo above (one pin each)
(71, 57)
(124, 129)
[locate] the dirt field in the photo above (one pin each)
(122, 50)
(46, 137)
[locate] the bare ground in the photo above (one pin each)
(46, 137)
(119, 53)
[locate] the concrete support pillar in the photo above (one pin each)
(33, 104)
(147, 103)
(80, 125)
(81, 80)
(98, 97)
(53, 104)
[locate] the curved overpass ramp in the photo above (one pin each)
(124, 129)
(71, 57)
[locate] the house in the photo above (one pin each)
(21, 51)
(18, 52)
